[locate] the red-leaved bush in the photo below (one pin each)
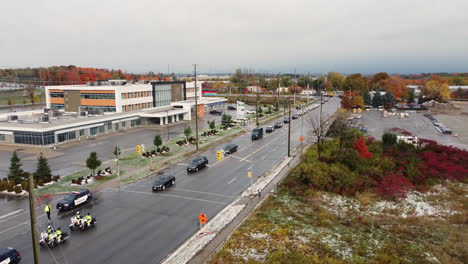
(361, 147)
(444, 162)
(394, 186)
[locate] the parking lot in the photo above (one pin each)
(416, 123)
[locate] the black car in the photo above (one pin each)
(197, 163)
(216, 112)
(230, 107)
(278, 124)
(230, 148)
(74, 199)
(269, 129)
(162, 182)
(257, 133)
(9, 255)
(295, 116)
(286, 120)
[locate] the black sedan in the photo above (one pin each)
(230, 148)
(162, 182)
(295, 116)
(9, 255)
(216, 112)
(197, 163)
(230, 107)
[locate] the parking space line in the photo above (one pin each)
(175, 196)
(232, 180)
(185, 190)
(12, 213)
(182, 164)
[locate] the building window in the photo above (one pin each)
(123, 123)
(97, 96)
(57, 106)
(2, 137)
(82, 132)
(101, 129)
(104, 108)
(56, 94)
(117, 126)
(66, 136)
(123, 108)
(34, 138)
(109, 125)
(122, 95)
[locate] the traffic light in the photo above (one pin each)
(138, 149)
(219, 155)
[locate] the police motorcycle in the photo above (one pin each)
(82, 224)
(51, 240)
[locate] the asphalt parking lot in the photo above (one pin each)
(416, 123)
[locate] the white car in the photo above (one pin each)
(250, 112)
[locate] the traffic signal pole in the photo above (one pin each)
(32, 215)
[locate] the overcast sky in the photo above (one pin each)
(397, 36)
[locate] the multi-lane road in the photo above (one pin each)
(138, 226)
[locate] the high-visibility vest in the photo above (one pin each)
(47, 208)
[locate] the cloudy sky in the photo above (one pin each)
(398, 36)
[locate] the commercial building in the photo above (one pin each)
(76, 112)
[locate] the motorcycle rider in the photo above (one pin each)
(49, 229)
(59, 235)
(88, 219)
(78, 218)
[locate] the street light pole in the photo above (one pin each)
(196, 106)
(289, 129)
(32, 214)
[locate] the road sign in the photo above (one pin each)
(219, 155)
(249, 174)
(301, 139)
(138, 149)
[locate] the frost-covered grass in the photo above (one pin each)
(425, 227)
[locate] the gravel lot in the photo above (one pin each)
(416, 123)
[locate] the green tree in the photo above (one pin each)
(92, 162)
(388, 100)
(357, 82)
(367, 98)
(377, 100)
(272, 84)
(457, 81)
(389, 139)
(411, 96)
(187, 132)
(285, 81)
(43, 169)
(212, 125)
(239, 80)
(157, 141)
(302, 81)
(15, 172)
(10, 102)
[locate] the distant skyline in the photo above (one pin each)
(366, 36)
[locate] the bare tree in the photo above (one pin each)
(30, 92)
(319, 130)
(338, 127)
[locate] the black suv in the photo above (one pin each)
(74, 199)
(197, 163)
(278, 124)
(286, 120)
(257, 133)
(162, 182)
(216, 112)
(230, 148)
(9, 255)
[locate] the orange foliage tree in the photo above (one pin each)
(396, 85)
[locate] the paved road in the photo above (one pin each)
(138, 226)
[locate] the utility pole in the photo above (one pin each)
(196, 106)
(277, 98)
(308, 87)
(289, 129)
(256, 104)
(32, 214)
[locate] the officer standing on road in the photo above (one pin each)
(47, 209)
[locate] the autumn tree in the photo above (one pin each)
(396, 85)
(358, 101)
(457, 81)
(336, 80)
(356, 82)
(30, 91)
(377, 81)
(436, 90)
(361, 147)
(346, 102)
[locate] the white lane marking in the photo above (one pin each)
(232, 180)
(182, 164)
(12, 213)
(176, 196)
(185, 190)
(4, 231)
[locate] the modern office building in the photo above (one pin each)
(76, 112)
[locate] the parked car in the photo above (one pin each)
(278, 124)
(257, 133)
(270, 129)
(286, 120)
(197, 163)
(295, 116)
(230, 148)
(9, 255)
(230, 107)
(74, 199)
(250, 112)
(162, 182)
(216, 112)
